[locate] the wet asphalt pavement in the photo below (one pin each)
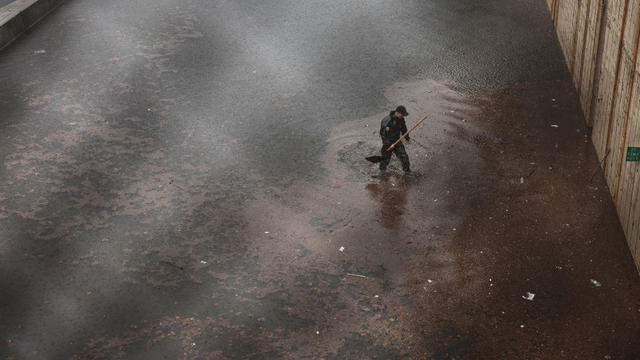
(186, 179)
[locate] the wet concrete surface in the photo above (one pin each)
(179, 178)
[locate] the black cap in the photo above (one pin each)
(402, 110)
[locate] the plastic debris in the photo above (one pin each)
(41, 51)
(376, 296)
(522, 180)
(317, 332)
(429, 281)
(529, 296)
(554, 126)
(341, 249)
(202, 262)
(521, 326)
(356, 275)
(595, 283)
(266, 232)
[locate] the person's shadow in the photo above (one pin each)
(391, 193)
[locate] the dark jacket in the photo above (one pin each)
(392, 127)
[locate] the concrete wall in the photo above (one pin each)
(600, 41)
(19, 15)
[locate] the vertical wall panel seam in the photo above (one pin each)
(574, 43)
(626, 120)
(598, 45)
(584, 46)
(615, 82)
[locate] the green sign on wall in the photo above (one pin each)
(633, 153)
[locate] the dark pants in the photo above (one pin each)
(400, 153)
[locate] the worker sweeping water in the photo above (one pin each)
(393, 129)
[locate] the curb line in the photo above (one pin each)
(20, 15)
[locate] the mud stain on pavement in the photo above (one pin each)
(538, 222)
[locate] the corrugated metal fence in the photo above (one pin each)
(600, 41)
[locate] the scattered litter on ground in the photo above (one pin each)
(553, 99)
(171, 263)
(595, 283)
(202, 262)
(529, 296)
(41, 51)
(317, 332)
(266, 232)
(376, 296)
(356, 275)
(554, 126)
(341, 249)
(521, 326)
(521, 180)
(429, 281)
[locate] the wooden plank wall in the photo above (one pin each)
(600, 40)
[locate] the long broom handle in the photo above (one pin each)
(407, 133)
